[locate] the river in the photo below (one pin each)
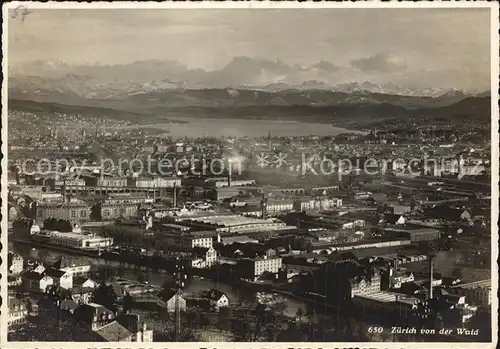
(235, 293)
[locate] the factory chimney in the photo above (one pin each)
(64, 190)
(230, 174)
(263, 206)
(431, 275)
(175, 194)
(269, 140)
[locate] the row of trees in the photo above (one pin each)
(61, 225)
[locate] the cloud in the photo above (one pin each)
(379, 64)
(326, 66)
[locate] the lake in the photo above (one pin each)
(201, 127)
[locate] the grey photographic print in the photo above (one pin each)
(238, 172)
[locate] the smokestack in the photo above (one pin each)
(64, 190)
(175, 194)
(269, 140)
(230, 175)
(431, 276)
(263, 206)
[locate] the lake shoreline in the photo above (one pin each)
(197, 127)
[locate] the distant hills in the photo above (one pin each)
(71, 90)
(245, 88)
(473, 111)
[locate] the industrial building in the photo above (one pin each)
(74, 239)
(252, 269)
(232, 223)
(415, 234)
(477, 293)
(73, 211)
(185, 242)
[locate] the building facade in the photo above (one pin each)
(252, 269)
(16, 264)
(317, 204)
(70, 211)
(186, 242)
(18, 311)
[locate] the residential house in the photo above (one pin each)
(37, 282)
(15, 264)
(60, 277)
(94, 315)
(171, 298)
(203, 257)
(112, 332)
(393, 219)
(136, 325)
(216, 298)
(18, 311)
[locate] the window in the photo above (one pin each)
(73, 213)
(83, 213)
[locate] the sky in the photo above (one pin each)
(412, 44)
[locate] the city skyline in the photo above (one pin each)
(357, 42)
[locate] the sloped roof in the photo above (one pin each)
(68, 304)
(31, 275)
(215, 294)
(57, 273)
(113, 332)
(392, 218)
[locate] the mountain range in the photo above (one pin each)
(96, 81)
(245, 88)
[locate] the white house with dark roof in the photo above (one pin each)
(216, 298)
(60, 277)
(37, 282)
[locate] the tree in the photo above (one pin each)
(309, 247)
(106, 296)
(29, 306)
(299, 314)
(280, 308)
(223, 318)
(187, 334)
(128, 301)
(141, 278)
(241, 327)
(457, 273)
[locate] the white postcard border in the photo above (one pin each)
(258, 5)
